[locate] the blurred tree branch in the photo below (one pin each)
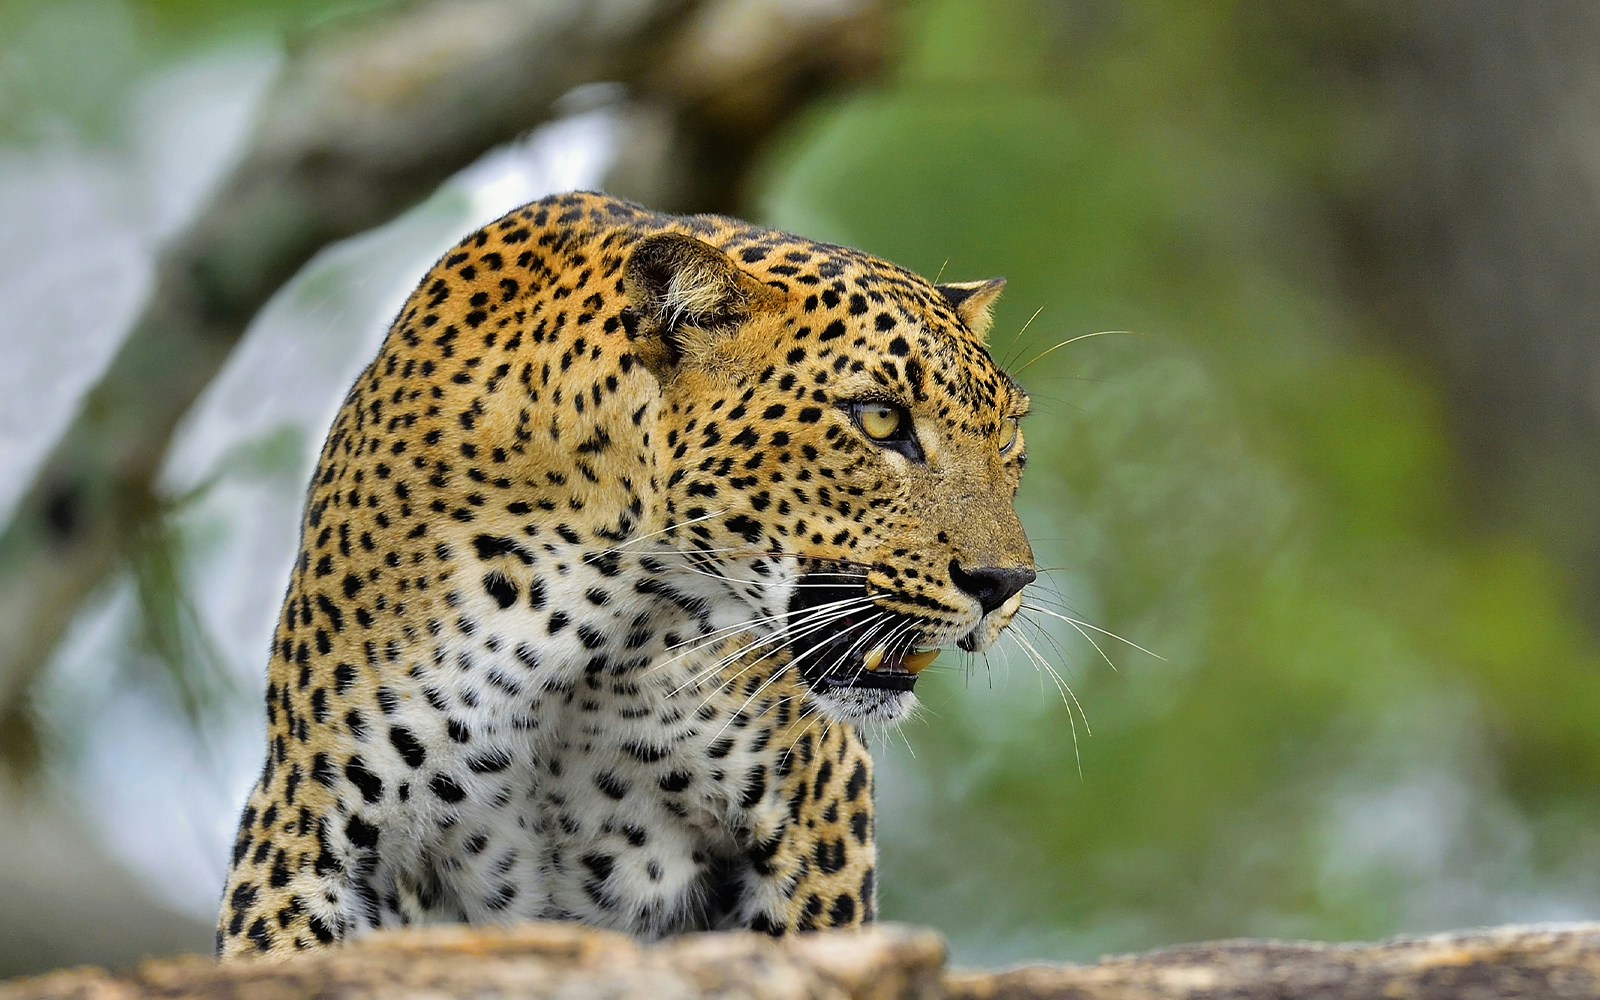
(881, 963)
(363, 124)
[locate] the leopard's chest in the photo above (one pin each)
(604, 757)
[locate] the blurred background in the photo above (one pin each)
(1340, 472)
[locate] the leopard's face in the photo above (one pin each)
(840, 439)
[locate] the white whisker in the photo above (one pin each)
(1072, 340)
(660, 531)
(1066, 692)
(809, 625)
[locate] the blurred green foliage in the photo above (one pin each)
(1369, 718)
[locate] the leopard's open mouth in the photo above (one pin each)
(840, 639)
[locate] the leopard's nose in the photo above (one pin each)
(991, 586)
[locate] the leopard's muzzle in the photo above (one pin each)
(840, 639)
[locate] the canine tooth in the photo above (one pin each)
(1012, 603)
(916, 661)
(874, 659)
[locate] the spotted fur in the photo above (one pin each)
(593, 566)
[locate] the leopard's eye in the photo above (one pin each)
(881, 421)
(1008, 435)
(887, 425)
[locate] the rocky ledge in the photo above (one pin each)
(884, 963)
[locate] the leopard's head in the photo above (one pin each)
(838, 445)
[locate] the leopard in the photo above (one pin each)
(633, 531)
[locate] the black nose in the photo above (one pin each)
(991, 586)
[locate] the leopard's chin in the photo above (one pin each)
(865, 704)
(853, 692)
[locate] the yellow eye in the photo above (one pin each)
(880, 421)
(1008, 435)
(888, 425)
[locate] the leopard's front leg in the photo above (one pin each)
(810, 855)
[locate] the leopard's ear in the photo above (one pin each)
(681, 289)
(973, 301)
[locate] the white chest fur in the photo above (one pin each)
(577, 746)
